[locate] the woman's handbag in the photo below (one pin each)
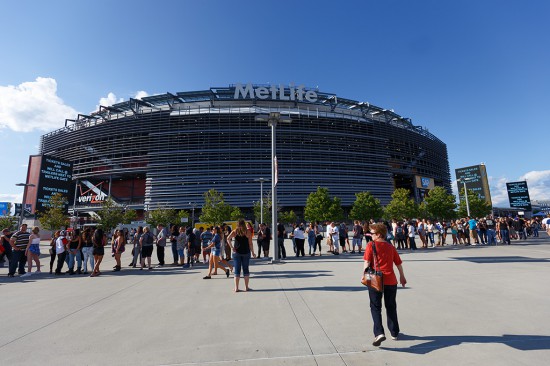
(373, 277)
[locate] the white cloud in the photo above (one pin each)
(33, 105)
(538, 183)
(141, 94)
(13, 198)
(109, 100)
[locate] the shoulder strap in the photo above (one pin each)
(375, 256)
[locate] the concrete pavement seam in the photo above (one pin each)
(318, 322)
(294, 313)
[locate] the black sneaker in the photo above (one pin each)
(378, 340)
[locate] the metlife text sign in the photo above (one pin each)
(293, 93)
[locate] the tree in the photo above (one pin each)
(439, 204)
(288, 217)
(54, 216)
(236, 214)
(160, 215)
(478, 206)
(215, 211)
(110, 215)
(321, 207)
(401, 206)
(267, 210)
(182, 214)
(7, 221)
(366, 207)
(129, 216)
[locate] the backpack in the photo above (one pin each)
(399, 230)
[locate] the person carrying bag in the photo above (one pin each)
(382, 282)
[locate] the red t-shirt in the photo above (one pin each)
(387, 257)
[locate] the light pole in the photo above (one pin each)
(261, 180)
(463, 181)
(272, 119)
(23, 203)
(193, 205)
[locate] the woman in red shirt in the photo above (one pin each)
(386, 257)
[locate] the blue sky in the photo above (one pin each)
(475, 73)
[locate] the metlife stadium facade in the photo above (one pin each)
(167, 150)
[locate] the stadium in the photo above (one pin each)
(167, 150)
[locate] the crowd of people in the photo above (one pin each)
(81, 252)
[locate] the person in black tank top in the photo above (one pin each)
(242, 249)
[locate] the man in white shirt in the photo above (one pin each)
(335, 237)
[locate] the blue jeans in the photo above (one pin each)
(311, 242)
(88, 257)
(17, 261)
(241, 260)
(431, 236)
(491, 237)
(72, 257)
(505, 235)
(175, 251)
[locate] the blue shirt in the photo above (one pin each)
(472, 223)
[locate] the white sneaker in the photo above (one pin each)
(27, 274)
(378, 340)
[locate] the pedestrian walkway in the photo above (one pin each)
(462, 306)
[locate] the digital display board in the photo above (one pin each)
(518, 195)
(55, 177)
(4, 209)
(476, 180)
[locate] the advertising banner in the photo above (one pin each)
(476, 180)
(55, 177)
(4, 209)
(518, 195)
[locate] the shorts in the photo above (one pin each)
(98, 251)
(34, 249)
(146, 251)
(216, 252)
(265, 245)
(120, 251)
(206, 251)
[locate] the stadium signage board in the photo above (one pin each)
(293, 93)
(518, 195)
(55, 177)
(94, 194)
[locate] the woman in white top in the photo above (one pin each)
(33, 251)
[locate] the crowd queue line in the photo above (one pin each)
(82, 251)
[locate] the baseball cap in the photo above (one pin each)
(62, 233)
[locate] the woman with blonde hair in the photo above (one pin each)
(242, 250)
(216, 261)
(33, 252)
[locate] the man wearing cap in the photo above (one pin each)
(19, 241)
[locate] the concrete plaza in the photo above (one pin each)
(473, 305)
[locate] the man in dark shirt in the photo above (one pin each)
(19, 241)
(281, 240)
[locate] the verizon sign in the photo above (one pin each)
(91, 194)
